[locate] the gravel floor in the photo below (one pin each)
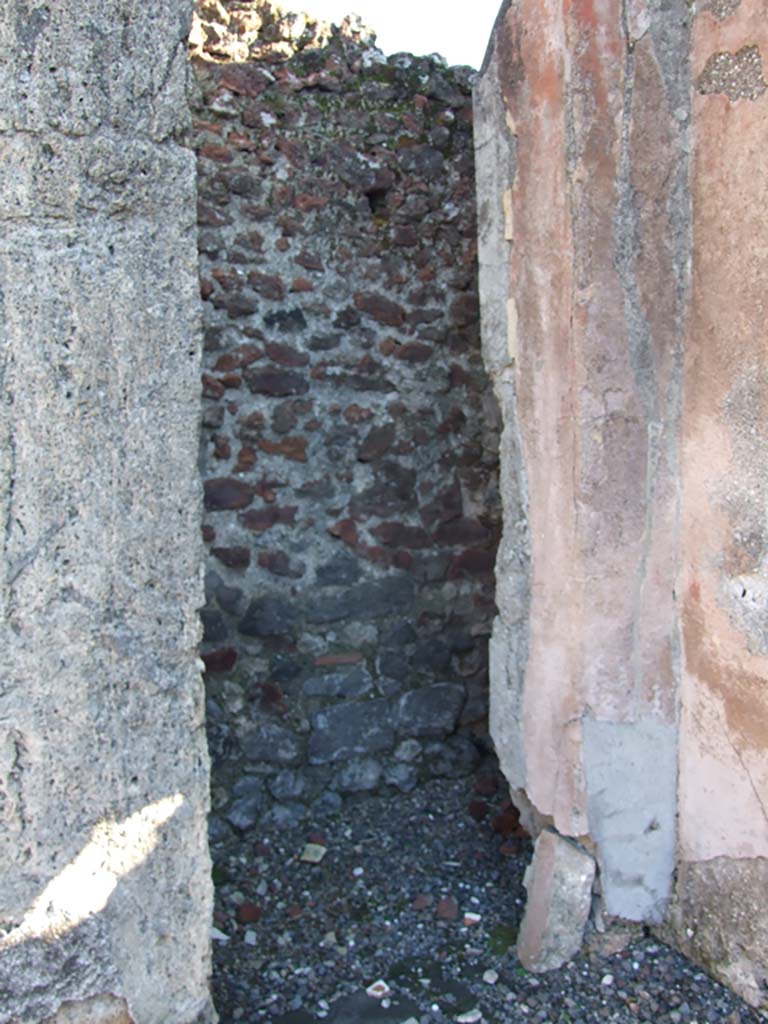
(296, 942)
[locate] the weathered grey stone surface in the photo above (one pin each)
(431, 710)
(495, 170)
(718, 918)
(105, 885)
(559, 883)
(360, 727)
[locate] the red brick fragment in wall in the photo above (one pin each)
(383, 310)
(286, 355)
(269, 286)
(377, 443)
(222, 449)
(306, 202)
(246, 459)
(262, 519)
(309, 261)
(346, 530)
(234, 557)
(413, 352)
(214, 151)
(473, 563)
(294, 448)
(400, 535)
(212, 388)
(335, 660)
(463, 531)
(357, 414)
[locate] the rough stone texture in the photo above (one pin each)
(350, 432)
(559, 884)
(105, 888)
(99, 1010)
(719, 920)
(622, 197)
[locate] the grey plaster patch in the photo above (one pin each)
(631, 778)
(738, 75)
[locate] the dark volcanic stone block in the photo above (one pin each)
(276, 382)
(272, 743)
(377, 443)
(233, 558)
(365, 601)
(269, 616)
(349, 730)
(356, 683)
(431, 710)
(394, 490)
(286, 320)
(423, 161)
(341, 569)
(214, 626)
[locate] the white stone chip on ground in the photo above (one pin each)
(313, 853)
(378, 990)
(218, 936)
(470, 1017)
(491, 977)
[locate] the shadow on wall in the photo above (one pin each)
(350, 436)
(63, 932)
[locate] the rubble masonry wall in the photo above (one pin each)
(350, 433)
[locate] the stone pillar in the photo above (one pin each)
(105, 891)
(621, 192)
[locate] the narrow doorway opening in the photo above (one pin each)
(349, 454)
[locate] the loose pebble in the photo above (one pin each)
(313, 853)
(378, 990)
